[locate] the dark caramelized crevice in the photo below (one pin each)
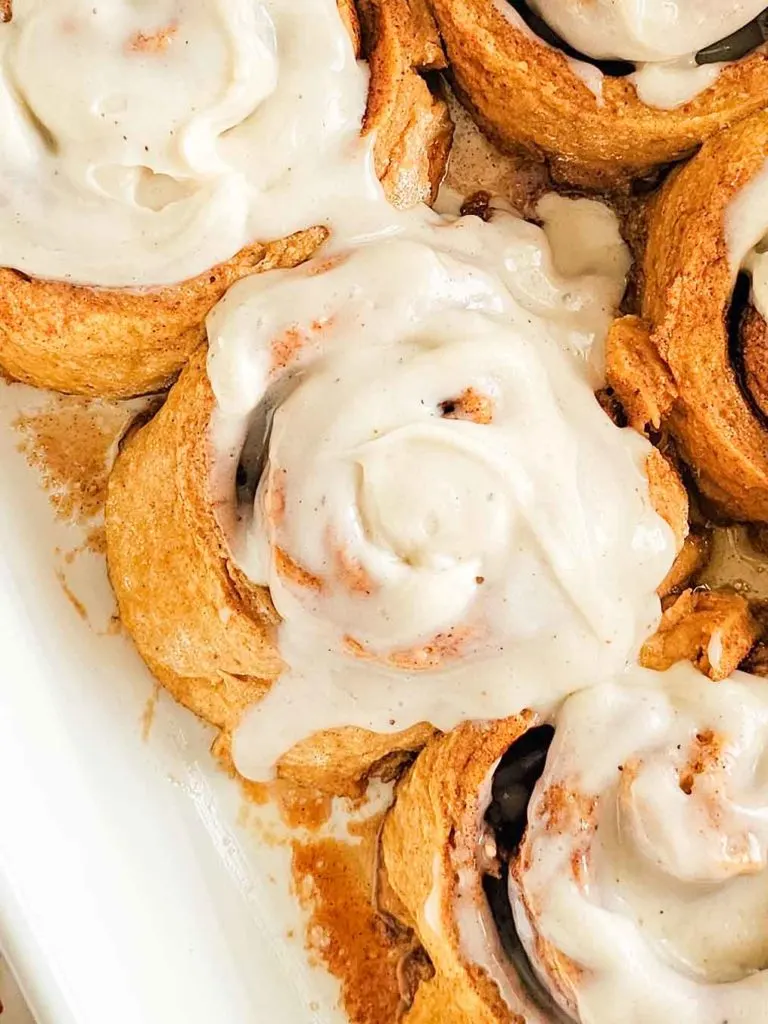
(733, 47)
(254, 453)
(517, 774)
(513, 783)
(249, 470)
(746, 328)
(497, 894)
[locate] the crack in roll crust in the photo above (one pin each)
(674, 368)
(524, 92)
(117, 341)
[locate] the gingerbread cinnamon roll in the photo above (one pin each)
(391, 501)
(608, 866)
(153, 155)
(609, 89)
(694, 365)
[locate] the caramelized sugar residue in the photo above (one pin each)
(374, 958)
(70, 442)
(361, 947)
(71, 596)
(148, 714)
(299, 808)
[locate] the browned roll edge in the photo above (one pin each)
(713, 629)
(693, 390)
(524, 92)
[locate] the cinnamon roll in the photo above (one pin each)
(694, 365)
(608, 866)
(152, 155)
(387, 500)
(608, 89)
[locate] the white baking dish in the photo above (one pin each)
(128, 892)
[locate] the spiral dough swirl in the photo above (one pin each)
(642, 881)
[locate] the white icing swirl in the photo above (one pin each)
(449, 524)
(642, 882)
(144, 142)
(661, 37)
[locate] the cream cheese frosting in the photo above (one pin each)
(644, 872)
(662, 38)
(143, 143)
(449, 525)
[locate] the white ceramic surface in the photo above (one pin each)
(128, 892)
(14, 1007)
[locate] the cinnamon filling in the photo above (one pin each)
(507, 817)
(748, 348)
(733, 47)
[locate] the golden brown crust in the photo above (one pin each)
(341, 761)
(204, 630)
(430, 835)
(526, 93)
(118, 342)
(412, 125)
(688, 286)
(713, 629)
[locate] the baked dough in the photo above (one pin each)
(672, 369)
(524, 92)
